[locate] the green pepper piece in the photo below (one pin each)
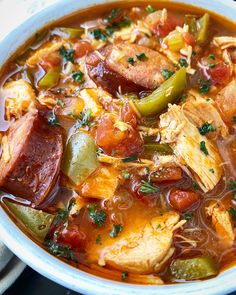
(163, 149)
(50, 79)
(203, 29)
(80, 158)
(193, 268)
(167, 93)
(37, 221)
(68, 33)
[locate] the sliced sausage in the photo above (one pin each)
(31, 158)
(106, 78)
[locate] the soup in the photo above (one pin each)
(118, 142)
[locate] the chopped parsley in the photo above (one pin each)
(99, 239)
(52, 119)
(67, 54)
(99, 34)
(183, 62)
(232, 212)
(78, 77)
(98, 216)
(110, 30)
(166, 73)
(148, 188)
(126, 22)
(188, 215)
(234, 119)
(206, 128)
(195, 185)
(212, 170)
(124, 275)
(84, 119)
(126, 175)
(211, 56)
(203, 147)
(232, 184)
(116, 229)
(60, 250)
(141, 56)
(130, 159)
(113, 15)
(131, 60)
(183, 97)
(211, 66)
(205, 87)
(150, 9)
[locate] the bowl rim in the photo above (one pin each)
(42, 261)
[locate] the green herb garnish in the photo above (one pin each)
(211, 56)
(205, 128)
(116, 229)
(150, 9)
(126, 22)
(183, 62)
(204, 88)
(98, 216)
(124, 275)
(188, 215)
(148, 188)
(195, 185)
(126, 175)
(131, 60)
(99, 239)
(212, 170)
(84, 119)
(60, 250)
(52, 119)
(203, 147)
(166, 73)
(113, 15)
(67, 54)
(130, 159)
(234, 119)
(78, 77)
(232, 212)
(232, 184)
(141, 56)
(211, 66)
(99, 34)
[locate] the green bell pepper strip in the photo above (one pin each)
(37, 221)
(80, 158)
(203, 29)
(50, 79)
(193, 268)
(190, 20)
(68, 33)
(163, 149)
(167, 93)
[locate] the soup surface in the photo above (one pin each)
(118, 146)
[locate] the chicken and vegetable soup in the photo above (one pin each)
(118, 142)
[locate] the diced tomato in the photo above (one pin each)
(220, 74)
(81, 48)
(51, 61)
(128, 115)
(163, 29)
(189, 39)
(73, 236)
(168, 174)
(113, 140)
(181, 200)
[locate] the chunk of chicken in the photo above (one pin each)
(185, 139)
(145, 72)
(199, 111)
(226, 101)
(43, 53)
(20, 98)
(222, 224)
(145, 248)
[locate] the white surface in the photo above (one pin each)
(52, 267)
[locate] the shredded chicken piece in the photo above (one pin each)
(144, 249)
(185, 139)
(199, 111)
(222, 223)
(42, 53)
(20, 98)
(225, 41)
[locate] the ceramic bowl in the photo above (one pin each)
(38, 258)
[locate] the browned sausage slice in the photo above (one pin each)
(30, 162)
(145, 71)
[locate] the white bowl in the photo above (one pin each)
(50, 266)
